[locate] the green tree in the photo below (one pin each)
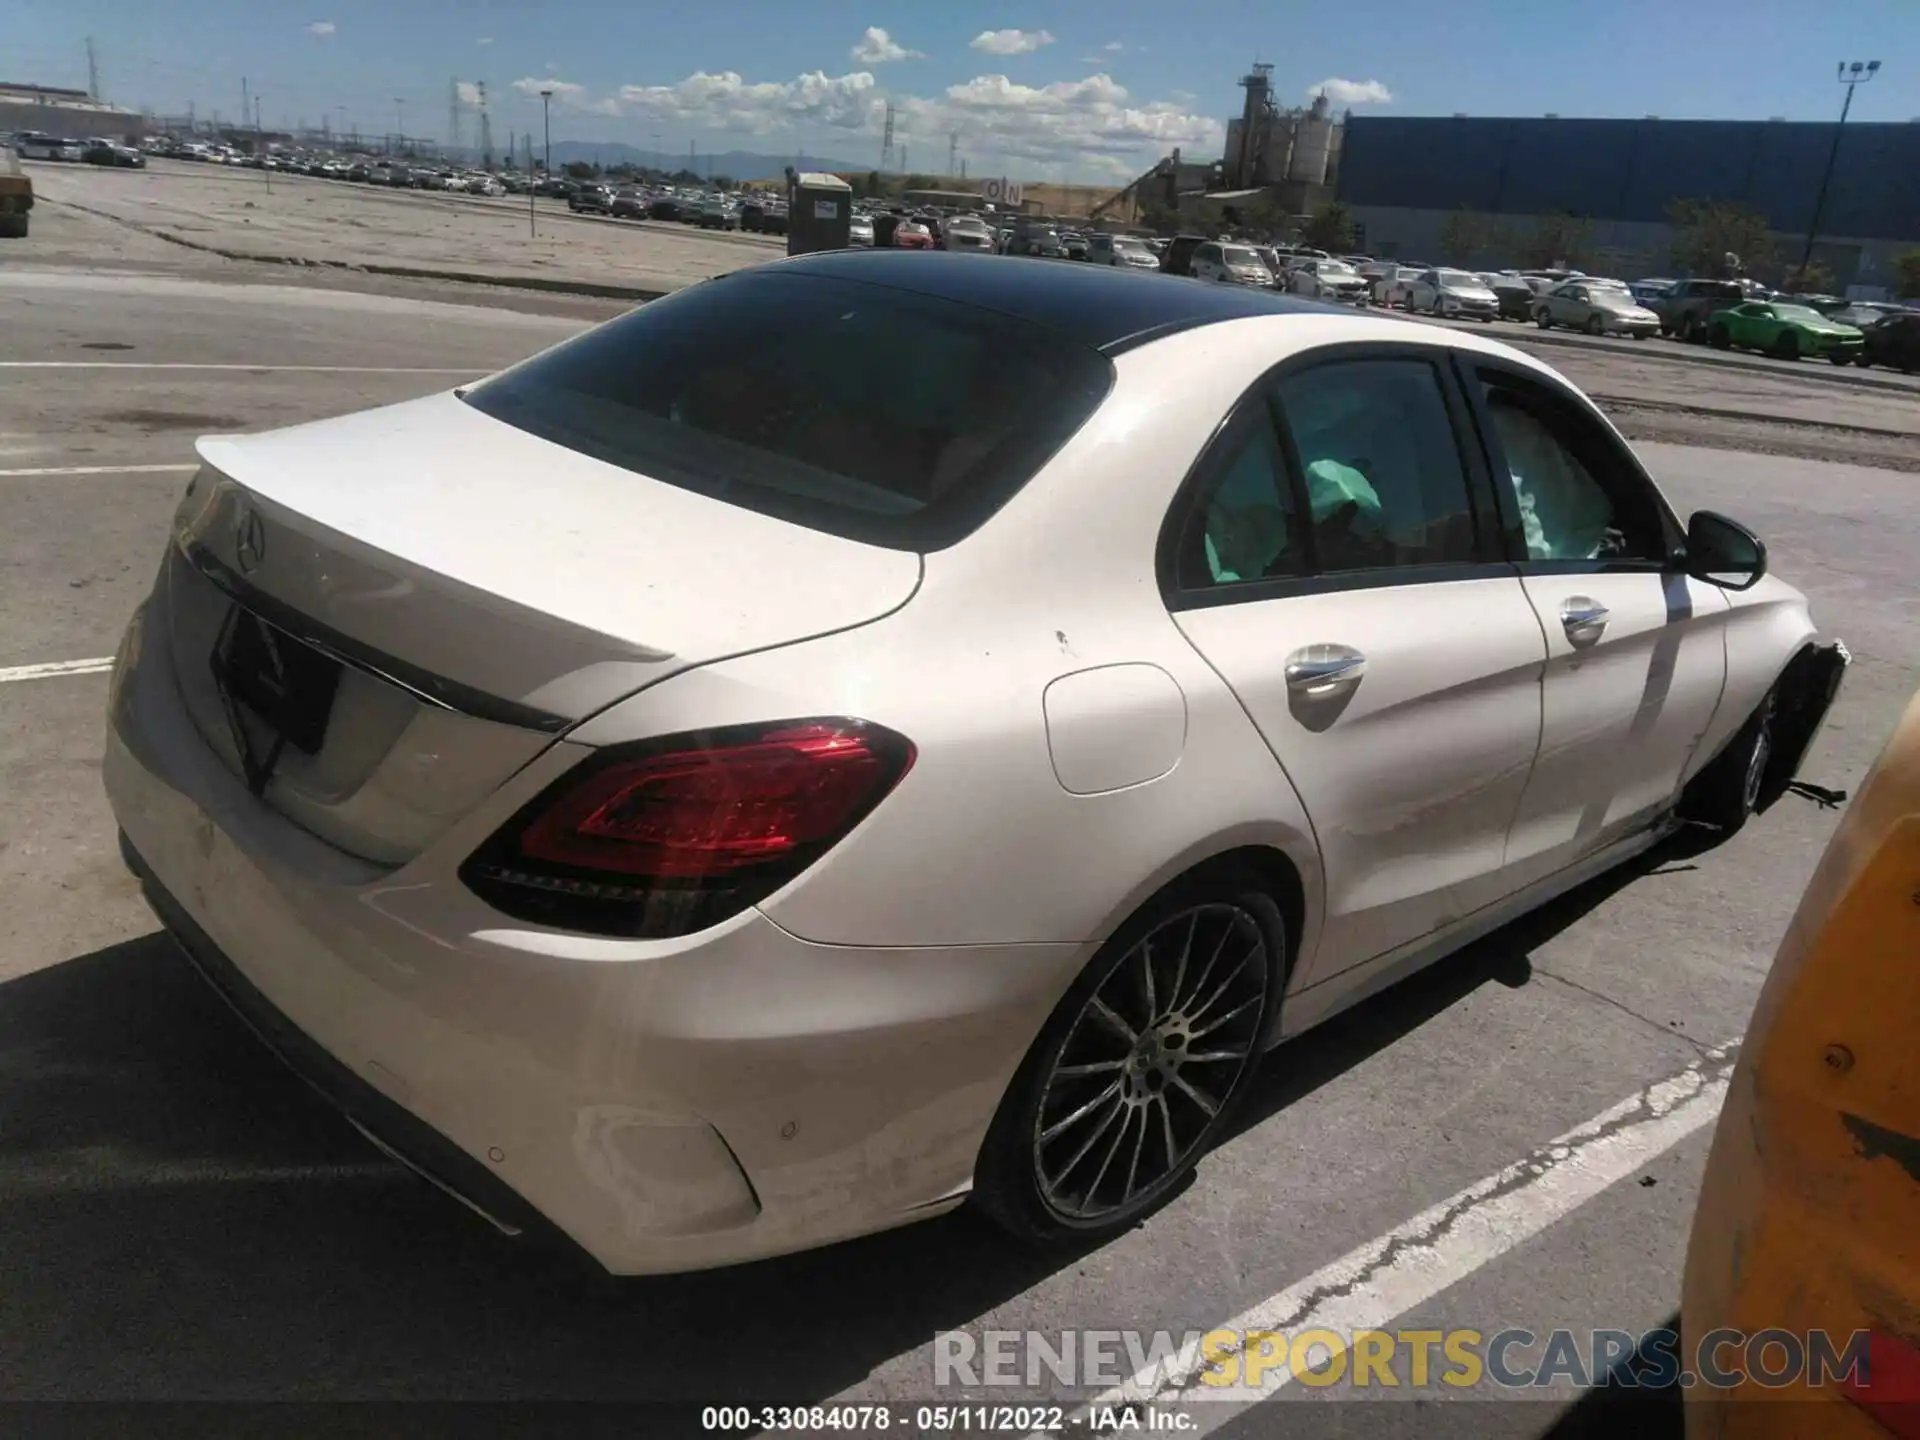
(723, 182)
(1813, 278)
(577, 170)
(1705, 232)
(1330, 228)
(1906, 282)
(1465, 236)
(1558, 239)
(684, 176)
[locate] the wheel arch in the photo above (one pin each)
(1285, 866)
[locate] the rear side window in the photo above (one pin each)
(865, 411)
(1385, 483)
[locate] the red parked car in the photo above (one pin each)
(912, 235)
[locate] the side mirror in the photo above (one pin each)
(1724, 552)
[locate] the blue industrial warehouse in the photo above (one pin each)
(1403, 177)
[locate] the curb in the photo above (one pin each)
(1702, 355)
(1750, 417)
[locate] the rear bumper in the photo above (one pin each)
(666, 1105)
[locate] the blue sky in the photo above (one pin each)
(1054, 89)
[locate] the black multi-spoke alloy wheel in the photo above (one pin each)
(1140, 1065)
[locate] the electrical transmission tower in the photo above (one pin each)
(486, 127)
(453, 113)
(953, 152)
(886, 141)
(93, 72)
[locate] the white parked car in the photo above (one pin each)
(737, 842)
(1390, 287)
(1454, 294)
(860, 230)
(1233, 264)
(1123, 250)
(36, 145)
(966, 233)
(1328, 280)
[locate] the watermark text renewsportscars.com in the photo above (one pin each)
(1230, 1363)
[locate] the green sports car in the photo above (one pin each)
(1788, 331)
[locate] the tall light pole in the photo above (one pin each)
(546, 125)
(399, 123)
(1849, 75)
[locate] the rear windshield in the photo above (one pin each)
(879, 414)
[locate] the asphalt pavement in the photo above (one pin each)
(184, 1221)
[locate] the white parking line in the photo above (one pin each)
(53, 669)
(97, 470)
(1388, 1276)
(250, 369)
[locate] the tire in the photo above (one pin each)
(1840, 360)
(1787, 347)
(1048, 1171)
(1543, 319)
(1724, 794)
(1693, 332)
(1719, 338)
(1596, 325)
(1863, 361)
(13, 227)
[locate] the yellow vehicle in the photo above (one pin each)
(1809, 1218)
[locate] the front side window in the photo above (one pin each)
(1578, 498)
(862, 410)
(1384, 479)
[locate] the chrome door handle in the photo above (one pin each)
(1583, 618)
(1321, 667)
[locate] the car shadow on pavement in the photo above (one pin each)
(187, 1221)
(1332, 1048)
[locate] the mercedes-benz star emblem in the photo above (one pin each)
(249, 541)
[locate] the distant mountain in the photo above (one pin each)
(739, 164)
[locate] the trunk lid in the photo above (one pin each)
(483, 589)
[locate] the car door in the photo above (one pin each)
(1206, 262)
(1335, 559)
(1636, 650)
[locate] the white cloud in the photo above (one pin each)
(1091, 124)
(1352, 92)
(876, 47)
(727, 102)
(1010, 42)
(321, 28)
(1113, 47)
(484, 40)
(469, 92)
(564, 91)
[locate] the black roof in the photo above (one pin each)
(1102, 307)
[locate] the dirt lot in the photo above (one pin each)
(330, 221)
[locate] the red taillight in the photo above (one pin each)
(690, 813)
(675, 835)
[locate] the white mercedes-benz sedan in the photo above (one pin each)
(877, 729)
